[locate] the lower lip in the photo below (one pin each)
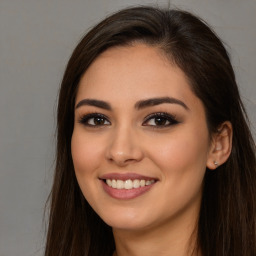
(125, 193)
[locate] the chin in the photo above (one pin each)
(127, 220)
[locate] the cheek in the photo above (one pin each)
(182, 161)
(86, 160)
(183, 156)
(85, 154)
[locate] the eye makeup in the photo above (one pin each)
(160, 120)
(94, 119)
(155, 120)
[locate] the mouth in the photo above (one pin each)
(126, 186)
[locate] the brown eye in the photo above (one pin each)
(94, 120)
(160, 120)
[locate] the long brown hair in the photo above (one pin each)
(227, 221)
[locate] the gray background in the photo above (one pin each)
(36, 40)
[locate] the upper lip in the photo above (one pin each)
(125, 176)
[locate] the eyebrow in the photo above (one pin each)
(139, 105)
(95, 103)
(157, 101)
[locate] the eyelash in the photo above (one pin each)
(84, 119)
(161, 115)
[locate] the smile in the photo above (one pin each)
(128, 184)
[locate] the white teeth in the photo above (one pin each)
(128, 184)
(119, 184)
(136, 183)
(113, 183)
(142, 183)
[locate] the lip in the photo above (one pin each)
(126, 176)
(125, 194)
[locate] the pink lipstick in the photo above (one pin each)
(126, 185)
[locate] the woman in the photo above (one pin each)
(154, 154)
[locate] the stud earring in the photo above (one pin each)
(216, 163)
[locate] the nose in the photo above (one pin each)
(124, 147)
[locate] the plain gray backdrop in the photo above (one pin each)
(36, 40)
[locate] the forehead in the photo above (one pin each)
(133, 72)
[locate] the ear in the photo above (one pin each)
(221, 146)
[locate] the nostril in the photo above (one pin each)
(123, 149)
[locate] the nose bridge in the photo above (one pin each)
(124, 145)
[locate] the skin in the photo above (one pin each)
(162, 220)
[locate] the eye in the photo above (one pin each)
(94, 119)
(160, 120)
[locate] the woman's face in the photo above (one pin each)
(140, 142)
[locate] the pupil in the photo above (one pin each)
(99, 121)
(160, 121)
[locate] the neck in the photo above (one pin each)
(177, 239)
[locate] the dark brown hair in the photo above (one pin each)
(227, 221)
